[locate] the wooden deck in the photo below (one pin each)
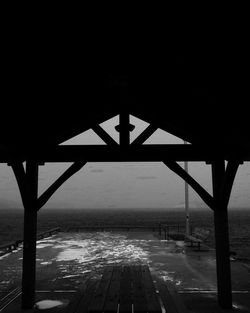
(125, 289)
(120, 287)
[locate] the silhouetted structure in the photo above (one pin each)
(181, 95)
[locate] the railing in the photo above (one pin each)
(11, 246)
(111, 227)
(169, 229)
(48, 233)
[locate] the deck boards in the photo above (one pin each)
(112, 297)
(139, 297)
(171, 299)
(99, 298)
(150, 293)
(125, 289)
(84, 303)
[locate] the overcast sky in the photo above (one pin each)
(123, 185)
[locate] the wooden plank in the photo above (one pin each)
(74, 168)
(83, 305)
(145, 135)
(139, 298)
(150, 292)
(222, 245)
(104, 135)
(112, 297)
(98, 300)
(72, 306)
(123, 128)
(205, 196)
(125, 291)
(167, 299)
(74, 303)
(29, 237)
(171, 299)
(131, 153)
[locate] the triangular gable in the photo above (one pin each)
(157, 136)
(88, 137)
(160, 136)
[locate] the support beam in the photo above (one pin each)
(104, 135)
(29, 237)
(20, 175)
(58, 183)
(221, 238)
(231, 170)
(145, 135)
(130, 153)
(205, 196)
(124, 129)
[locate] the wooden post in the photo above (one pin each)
(124, 129)
(221, 238)
(29, 237)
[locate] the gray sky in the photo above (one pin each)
(123, 185)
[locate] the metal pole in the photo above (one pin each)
(186, 199)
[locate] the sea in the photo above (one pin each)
(11, 222)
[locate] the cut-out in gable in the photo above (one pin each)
(140, 126)
(109, 127)
(158, 137)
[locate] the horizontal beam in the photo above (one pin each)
(132, 153)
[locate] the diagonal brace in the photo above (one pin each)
(145, 135)
(75, 167)
(205, 196)
(228, 180)
(22, 182)
(104, 135)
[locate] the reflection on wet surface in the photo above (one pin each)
(48, 304)
(67, 260)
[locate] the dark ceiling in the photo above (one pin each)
(55, 90)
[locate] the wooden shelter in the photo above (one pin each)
(50, 97)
